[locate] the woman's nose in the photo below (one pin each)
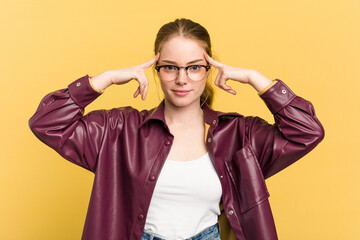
(182, 77)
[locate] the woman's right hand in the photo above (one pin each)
(125, 75)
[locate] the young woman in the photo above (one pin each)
(169, 172)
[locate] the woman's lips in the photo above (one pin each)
(181, 92)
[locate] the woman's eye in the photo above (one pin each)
(170, 68)
(194, 67)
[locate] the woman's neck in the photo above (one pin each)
(182, 115)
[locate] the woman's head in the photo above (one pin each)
(187, 30)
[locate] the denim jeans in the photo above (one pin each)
(210, 233)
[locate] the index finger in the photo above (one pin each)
(212, 61)
(149, 63)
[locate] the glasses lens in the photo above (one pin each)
(196, 73)
(168, 73)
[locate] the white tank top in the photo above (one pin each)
(186, 199)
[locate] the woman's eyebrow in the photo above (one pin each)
(193, 61)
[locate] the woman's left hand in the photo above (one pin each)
(243, 75)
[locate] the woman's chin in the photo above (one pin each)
(183, 102)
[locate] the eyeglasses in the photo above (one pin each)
(171, 72)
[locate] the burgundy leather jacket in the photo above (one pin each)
(126, 150)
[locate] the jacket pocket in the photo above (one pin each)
(248, 181)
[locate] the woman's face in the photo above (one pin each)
(179, 51)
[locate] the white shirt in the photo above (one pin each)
(186, 199)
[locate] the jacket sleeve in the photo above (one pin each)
(60, 124)
(295, 133)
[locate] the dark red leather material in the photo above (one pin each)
(127, 148)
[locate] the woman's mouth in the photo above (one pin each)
(181, 92)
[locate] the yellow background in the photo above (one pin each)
(312, 45)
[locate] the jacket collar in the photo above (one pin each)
(209, 114)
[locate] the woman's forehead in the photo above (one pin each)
(181, 45)
(199, 60)
(180, 50)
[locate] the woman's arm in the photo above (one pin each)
(296, 130)
(243, 75)
(124, 75)
(60, 124)
(59, 121)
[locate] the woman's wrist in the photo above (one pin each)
(258, 81)
(101, 81)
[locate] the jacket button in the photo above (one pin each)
(152, 178)
(209, 139)
(231, 212)
(283, 91)
(214, 122)
(141, 216)
(221, 176)
(167, 143)
(78, 84)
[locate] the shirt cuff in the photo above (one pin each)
(81, 91)
(278, 96)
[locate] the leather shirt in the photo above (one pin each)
(126, 148)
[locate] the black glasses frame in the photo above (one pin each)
(207, 67)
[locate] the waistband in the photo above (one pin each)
(212, 230)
